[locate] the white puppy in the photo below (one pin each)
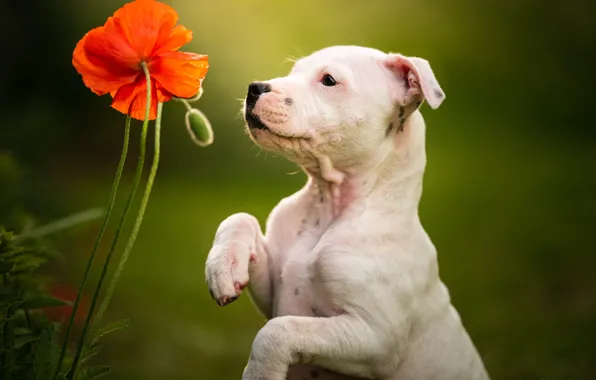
(346, 273)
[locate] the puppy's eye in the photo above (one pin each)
(328, 80)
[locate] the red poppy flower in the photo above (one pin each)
(109, 58)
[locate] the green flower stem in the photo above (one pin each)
(137, 225)
(193, 99)
(136, 181)
(96, 244)
(186, 103)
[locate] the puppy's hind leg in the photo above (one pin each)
(344, 344)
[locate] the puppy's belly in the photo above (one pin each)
(308, 372)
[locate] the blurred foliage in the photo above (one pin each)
(25, 332)
(10, 202)
(30, 332)
(509, 191)
(30, 340)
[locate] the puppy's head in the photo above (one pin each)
(343, 102)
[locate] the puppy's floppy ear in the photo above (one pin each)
(418, 77)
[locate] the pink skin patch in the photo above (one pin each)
(239, 287)
(346, 196)
(272, 110)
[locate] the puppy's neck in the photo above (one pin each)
(391, 181)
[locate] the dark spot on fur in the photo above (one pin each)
(401, 111)
(303, 221)
(314, 374)
(299, 232)
(288, 101)
(296, 291)
(401, 125)
(389, 128)
(316, 312)
(322, 199)
(318, 221)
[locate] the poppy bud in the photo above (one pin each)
(198, 127)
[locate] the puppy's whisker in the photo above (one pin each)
(299, 52)
(240, 114)
(259, 152)
(291, 59)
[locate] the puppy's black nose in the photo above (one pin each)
(255, 89)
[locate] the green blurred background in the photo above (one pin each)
(509, 196)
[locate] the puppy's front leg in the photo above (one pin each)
(342, 343)
(238, 258)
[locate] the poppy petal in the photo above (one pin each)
(94, 59)
(172, 39)
(131, 99)
(143, 21)
(181, 74)
(111, 48)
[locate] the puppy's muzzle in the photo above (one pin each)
(255, 90)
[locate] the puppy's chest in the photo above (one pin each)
(295, 293)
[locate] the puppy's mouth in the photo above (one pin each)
(254, 123)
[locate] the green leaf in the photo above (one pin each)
(42, 357)
(6, 267)
(20, 331)
(46, 357)
(26, 264)
(93, 372)
(20, 341)
(9, 361)
(12, 253)
(42, 301)
(63, 224)
(89, 352)
(54, 355)
(96, 336)
(9, 338)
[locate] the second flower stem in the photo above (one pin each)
(138, 221)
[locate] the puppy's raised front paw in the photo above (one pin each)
(226, 271)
